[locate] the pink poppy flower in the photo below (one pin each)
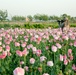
(56, 37)
(61, 57)
(3, 45)
(16, 36)
(17, 44)
(42, 58)
(33, 39)
(10, 39)
(25, 52)
(0, 38)
(36, 36)
(72, 37)
(71, 44)
(7, 42)
(65, 37)
(26, 68)
(65, 62)
(26, 39)
(45, 74)
(7, 48)
(47, 47)
(54, 48)
(3, 55)
(75, 43)
(58, 45)
(38, 52)
(74, 67)
(8, 53)
(32, 60)
(44, 36)
(7, 35)
(39, 39)
(71, 57)
(65, 57)
(50, 63)
(18, 71)
(39, 69)
(34, 50)
(19, 53)
(21, 62)
(31, 45)
(23, 44)
(28, 47)
(69, 52)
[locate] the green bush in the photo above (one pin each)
(53, 26)
(27, 25)
(34, 25)
(1, 26)
(16, 26)
(38, 26)
(73, 25)
(7, 26)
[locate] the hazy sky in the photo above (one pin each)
(32, 7)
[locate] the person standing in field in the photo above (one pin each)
(64, 23)
(67, 25)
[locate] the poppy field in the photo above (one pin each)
(37, 52)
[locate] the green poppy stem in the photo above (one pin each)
(35, 72)
(25, 60)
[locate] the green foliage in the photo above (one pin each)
(41, 26)
(53, 17)
(3, 15)
(28, 26)
(18, 18)
(41, 17)
(30, 17)
(16, 26)
(73, 25)
(38, 25)
(5, 25)
(34, 25)
(1, 26)
(36, 17)
(65, 15)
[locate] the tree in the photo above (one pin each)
(18, 18)
(73, 19)
(50, 17)
(3, 15)
(30, 17)
(41, 17)
(65, 15)
(36, 17)
(53, 17)
(44, 17)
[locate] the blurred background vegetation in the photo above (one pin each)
(36, 21)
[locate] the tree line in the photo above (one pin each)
(36, 17)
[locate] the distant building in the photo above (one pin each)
(27, 19)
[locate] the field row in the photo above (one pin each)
(37, 52)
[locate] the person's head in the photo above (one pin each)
(65, 18)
